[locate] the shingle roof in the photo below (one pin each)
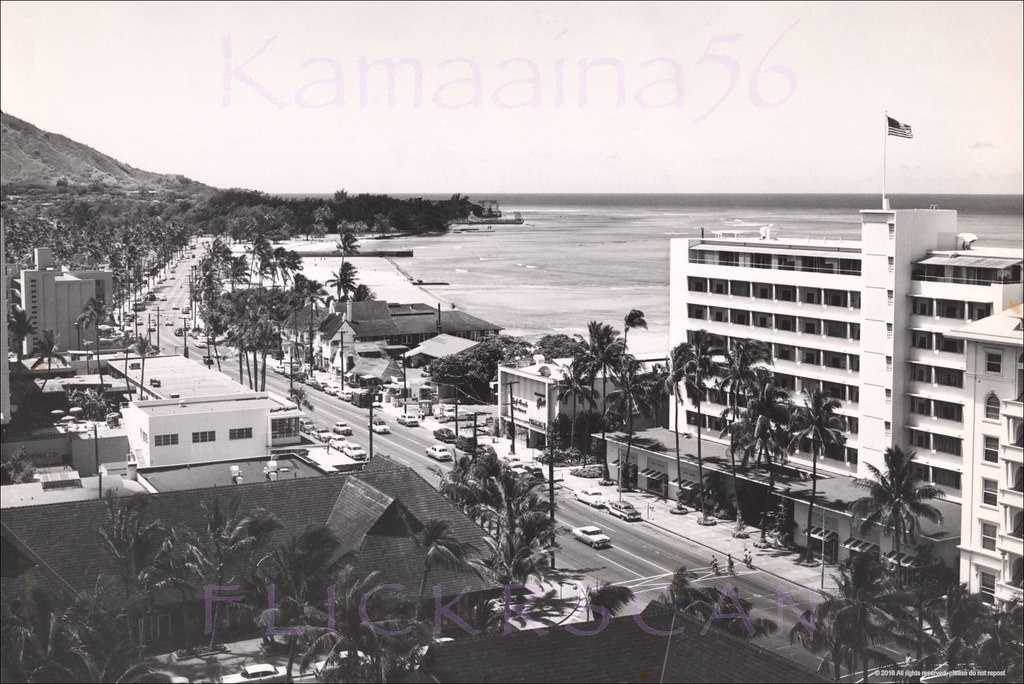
(627, 649)
(64, 538)
(442, 345)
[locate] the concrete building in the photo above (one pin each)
(54, 299)
(196, 415)
(864, 320)
(991, 547)
(868, 321)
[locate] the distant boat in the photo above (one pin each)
(490, 214)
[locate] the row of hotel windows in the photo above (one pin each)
(783, 293)
(936, 375)
(201, 437)
(780, 262)
(780, 322)
(948, 308)
(923, 339)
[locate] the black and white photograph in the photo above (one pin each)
(512, 342)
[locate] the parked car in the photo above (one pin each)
(624, 510)
(592, 497)
(342, 428)
(354, 451)
(446, 435)
(330, 390)
(345, 394)
(439, 452)
(178, 332)
(306, 426)
(201, 344)
(338, 443)
(486, 450)
(168, 324)
(465, 443)
(257, 672)
(314, 384)
(323, 434)
(592, 536)
(409, 420)
(380, 427)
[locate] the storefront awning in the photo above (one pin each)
(905, 560)
(860, 545)
(822, 534)
(654, 474)
(615, 462)
(685, 484)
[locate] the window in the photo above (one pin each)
(949, 309)
(921, 340)
(763, 320)
(988, 536)
(977, 311)
(810, 326)
(284, 427)
(240, 433)
(787, 263)
(990, 492)
(143, 435)
(949, 445)
(888, 330)
(888, 397)
(922, 307)
(889, 297)
(888, 429)
(740, 317)
(719, 286)
(809, 356)
(205, 436)
(950, 345)
(892, 264)
(696, 311)
(991, 449)
(165, 440)
(811, 295)
(946, 478)
(855, 300)
(949, 377)
(992, 407)
(786, 323)
(698, 284)
(855, 331)
(888, 364)
(836, 329)
(852, 425)
(740, 289)
(785, 293)
(784, 352)
(853, 393)
(728, 259)
(949, 411)
(892, 231)
(762, 291)
(836, 298)
(993, 361)
(851, 455)
(761, 260)
(987, 588)
(921, 440)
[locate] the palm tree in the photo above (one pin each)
(634, 319)
(312, 293)
(672, 382)
(816, 421)
(441, 549)
(697, 361)
(600, 353)
(343, 281)
(143, 348)
(609, 598)
(632, 397)
(576, 383)
(19, 326)
(766, 422)
(47, 350)
(897, 498)
(363, 293)
(348, 245)
(865, 611)
(94, 314)
(739, 376)
(704, 602)
(299, 571)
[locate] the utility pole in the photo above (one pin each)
(184, 333)
(96, 456)
(158, 326)
(405, 390)
(511, 413)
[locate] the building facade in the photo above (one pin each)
(54, 299)
(5, 372)
(992, 516)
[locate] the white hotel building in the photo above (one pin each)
(867, 321)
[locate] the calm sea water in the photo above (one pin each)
(579, 258)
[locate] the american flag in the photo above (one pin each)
(898, 129)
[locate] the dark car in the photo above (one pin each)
(486, 450)
(465, 443)
(446, 435)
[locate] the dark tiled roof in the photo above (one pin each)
(627, 649)
(63, 539)
(357, 509)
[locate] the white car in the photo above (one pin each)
(262, 672)
(380, 427)
(354, 451)
(592, 497)
(342, 428)
(410, 420)
(592, 536)
(338, 443)
(323, 434)
(345, 394)
(439, 452)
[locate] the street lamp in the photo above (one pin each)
(184, 333)
(405, 387)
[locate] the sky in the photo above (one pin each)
(501, 97)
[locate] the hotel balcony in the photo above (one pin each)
(1011, 453)
(1011, 497)
(1011, 543)
(1007, 592)
(1013, 408)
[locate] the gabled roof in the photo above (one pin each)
(442, 345)
(626, 649)
(382, 369)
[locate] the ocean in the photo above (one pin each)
(579, 258)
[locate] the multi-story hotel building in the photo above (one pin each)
(992, 516)
(864, 320)
(5, 373)
(55, 298)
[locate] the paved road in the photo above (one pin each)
(643, 556)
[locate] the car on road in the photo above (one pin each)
(178, 332)
(624, 510)
(256, 672)
(323, 434)
(439, 452)
(380, 427)
(592, 536)
(306, 426)
(446, 435)
(314, 384)
(175, 307)
(592, 497)
(151, 329)
(486, 450)
(409, 420)
(354, 451)
(337, 443)
(345, 394)
(168, 323)
(330, 390)
(201, 344)
(341, 428)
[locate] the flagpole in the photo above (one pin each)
(885, 145)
